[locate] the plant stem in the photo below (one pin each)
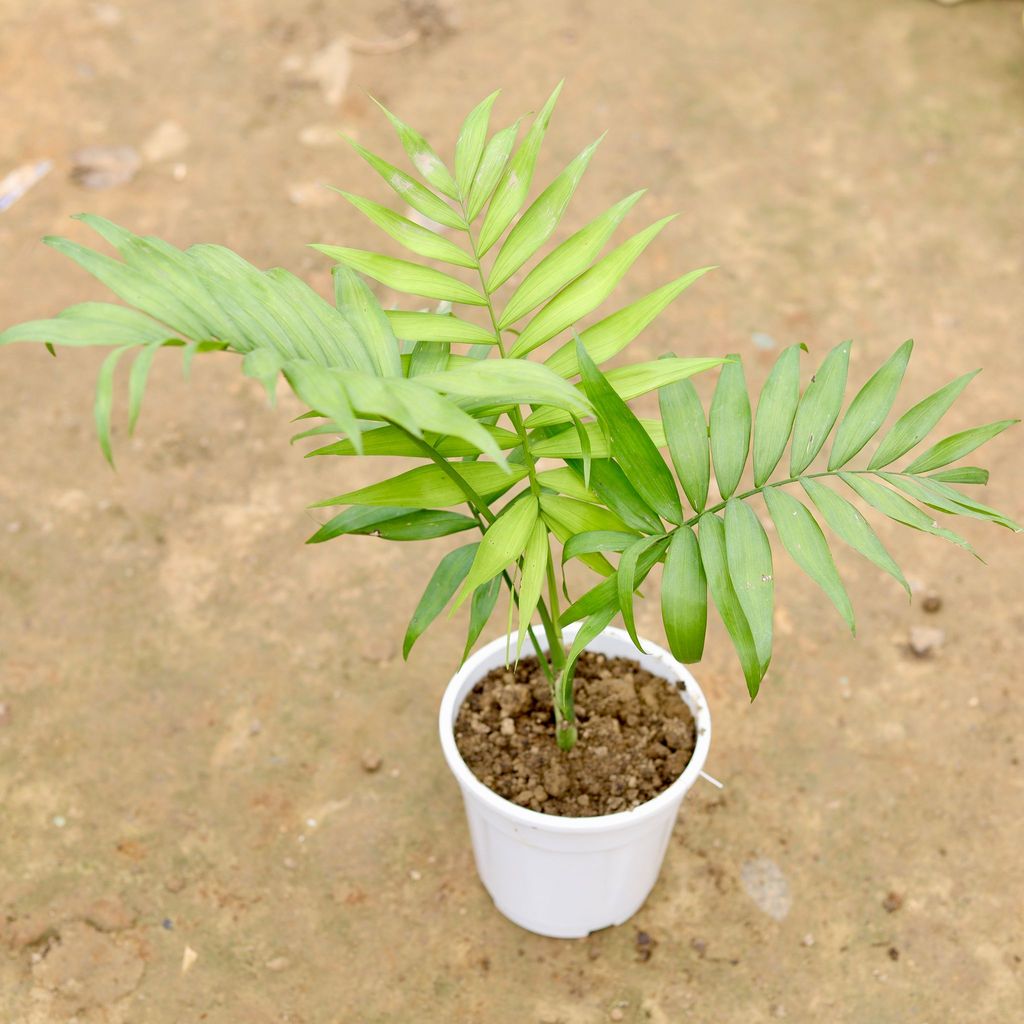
(556, 651)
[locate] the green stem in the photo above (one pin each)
(549, 619)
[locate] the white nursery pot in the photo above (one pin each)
(566, 877)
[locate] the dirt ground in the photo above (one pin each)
(186, 691)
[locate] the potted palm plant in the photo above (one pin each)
(573, 742)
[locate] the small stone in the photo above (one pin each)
(5, 713)
(973, 702)
(102, 167)
(540, 794)
(892, 902)
(255, 727)
(179, 172)
(59, 820)
(371, 761)
(175, 884)
(415, 875)
(926, 640)
(330, 68)
(807, 940)
(278, 964)
(764, 882)
(616, 1014)
(508, 727)
(167, 139)
(290, 863)
(778, 1011)
(765, 342)
(644, 945)
(894, 953)
(932, 602)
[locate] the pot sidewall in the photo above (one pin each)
(559, 876)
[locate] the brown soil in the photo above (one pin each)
(635, 737)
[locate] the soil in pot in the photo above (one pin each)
(635, 737)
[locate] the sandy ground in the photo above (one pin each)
(186, 690)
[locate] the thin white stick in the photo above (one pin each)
(714, 782)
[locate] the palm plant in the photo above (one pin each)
(464, 394)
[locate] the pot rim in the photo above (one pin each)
(692, 694)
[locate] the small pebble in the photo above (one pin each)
(188, 958)
(311, 823)
(371, 762)
(174, 884)
(102, 167)
(616, 1014)
(508, 727)
(5, 713)
(932, 602)
(892, 902)
(894, 953)
(926, 640)
(289, 863)
(415, 875)
(278, 963)
(59, 820)
(167, 924)
(973, 702)
(807, 940)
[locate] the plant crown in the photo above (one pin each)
(524, 438)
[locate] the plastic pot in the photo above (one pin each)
(566, 877)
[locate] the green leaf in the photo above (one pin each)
(730, 427)
(565, 481)
(776, 409)
(392, 524)
(847, 521)
(431, 486)
(819, 408)
(135, 287)
(686, 431)
(749, 556)
(566, 444)
(469, 147)
(428, 357)
(414, 237)
(605, 594)
(485, 597)
(588, 632)
(264, 365)
(396, 441)
(611, 335)
(594, 542)
(321, 391)
(492, 165)
(634, 451)
(506, 382)
(538, 223)
(535, 564)
(422, 155)
(947, 499)
(614, 489)
(627, 582)
(956, 446)
(962, 475)
(586, 293)
(137, 381)
(405, 276)
(411, 191)
(514, 186)
(579, 516)
(503, 542)
(446, 579)
(711, 537)
(437, 327)
(631, 382)
(105, 400)
(897, 508)
(565, 263)
(914, 425)
(361, 309)
(802, 537)
(91, 323)
(684, 597)
(868, 410)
